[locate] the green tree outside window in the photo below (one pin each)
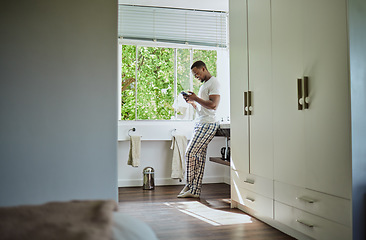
(151, 96)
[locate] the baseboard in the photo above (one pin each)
(227, 180)
(168, 181)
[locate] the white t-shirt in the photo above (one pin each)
(210, 87)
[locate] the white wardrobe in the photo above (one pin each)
(290, 115)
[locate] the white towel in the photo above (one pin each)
(134, 154)
(179, 145)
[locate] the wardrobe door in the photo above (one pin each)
(239, 84)
(327, 121)
(287, 67)
(260, 85)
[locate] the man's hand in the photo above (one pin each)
(191, 97)
(212, 103)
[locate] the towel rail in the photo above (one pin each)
(132, 129)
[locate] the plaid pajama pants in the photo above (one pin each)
(196, 154)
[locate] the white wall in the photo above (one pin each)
(223, 75)
(58, 100)
(157, 154)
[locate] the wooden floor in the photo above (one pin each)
(209, 217)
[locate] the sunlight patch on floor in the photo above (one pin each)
(212, 216)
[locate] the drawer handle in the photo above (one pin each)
(250, 199)
(306, 199)
(309, 225)
(249, 181)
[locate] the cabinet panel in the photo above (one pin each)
(311, 225)
(288, 121)
(307, 152)
(262, 206)
(327, 121)
(253, 183)
(312, 146)
(239, 84)
(251, 135)
(260, 84)
(320, 204)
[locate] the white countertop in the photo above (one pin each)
(224, 125)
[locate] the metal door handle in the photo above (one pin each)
(299, 94)
(306, 92)
(245, 103)
(250, 108)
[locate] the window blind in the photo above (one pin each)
(193, 27)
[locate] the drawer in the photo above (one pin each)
(321, 204)
(262, 206)
(254, 183)
(311, 225)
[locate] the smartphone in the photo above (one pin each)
(184, 93)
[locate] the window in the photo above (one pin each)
(158, 46)
(153, 77)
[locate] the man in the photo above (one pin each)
(205, 104)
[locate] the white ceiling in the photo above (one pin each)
(212, 5)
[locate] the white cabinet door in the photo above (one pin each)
(239, 84)
(312, 146)
(287, 67)
(327, 121)
(260, 84)
(251, 134)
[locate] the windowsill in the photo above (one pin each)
(158, 130)
(155, 130)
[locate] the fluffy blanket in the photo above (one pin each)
(79, 220)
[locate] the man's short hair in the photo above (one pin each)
(198, 64)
